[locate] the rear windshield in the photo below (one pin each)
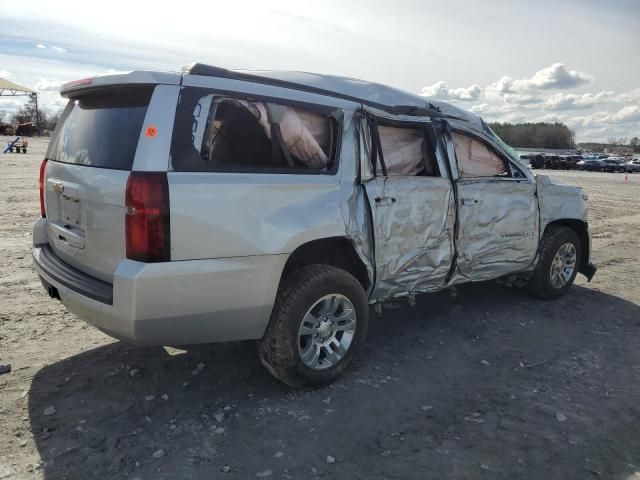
(101, 129)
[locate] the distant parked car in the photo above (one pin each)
(552, 162)
(572, 161)
(613, 165)
(632, 166)
(535, 161)
(592, 165)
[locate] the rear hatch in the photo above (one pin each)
(88, 163)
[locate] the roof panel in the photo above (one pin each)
(367, 92)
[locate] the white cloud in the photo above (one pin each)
(630, 113)
(571, 101)
(523, 99)
(481, 108)
(46, 85)
(632, 96)
(10, 103)
(113, 71)
(441, 90)
(471, 93)
(629, 116)
(438, 89)
(553, 77)
(5, 73)
(54, 48)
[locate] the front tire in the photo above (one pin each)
(318, 324)
(558, 263)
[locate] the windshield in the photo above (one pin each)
(509, 150)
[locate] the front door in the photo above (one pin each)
(413, 210)
(497, 212)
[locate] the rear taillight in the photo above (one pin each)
(43, 167)
(147, 227)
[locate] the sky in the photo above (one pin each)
(574, 61)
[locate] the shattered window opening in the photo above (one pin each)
(476, 159)
(405, 151)
(227, 133)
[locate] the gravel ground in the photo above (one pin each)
(482, 383)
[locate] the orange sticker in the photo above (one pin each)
(151, 131)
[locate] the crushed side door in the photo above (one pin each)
(413, 220)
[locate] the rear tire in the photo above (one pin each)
(558, 263)
(307, 341)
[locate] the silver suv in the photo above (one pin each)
(215, 205)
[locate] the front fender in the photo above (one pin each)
(561, 204)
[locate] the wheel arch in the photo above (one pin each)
(338, 252)
(582, 230)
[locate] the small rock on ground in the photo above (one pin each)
(158, 453)
(49, 410)
(265, 473)
(561, 417)
(5, 368)
(331, 459)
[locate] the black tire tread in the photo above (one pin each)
(539, 284)
(274, 347)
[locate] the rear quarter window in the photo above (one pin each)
(101, 129)
(216, 132)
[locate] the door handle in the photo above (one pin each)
(380, 200)
(470, 201)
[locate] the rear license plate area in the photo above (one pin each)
(70, 211)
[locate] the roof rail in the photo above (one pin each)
(428, 110)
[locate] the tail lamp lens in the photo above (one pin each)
(147, 227)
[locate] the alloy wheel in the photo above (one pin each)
(326, 332)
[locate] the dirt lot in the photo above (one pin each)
(488, 383)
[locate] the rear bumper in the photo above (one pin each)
(170, 303)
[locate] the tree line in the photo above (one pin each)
(613, 145)
(48, 118)
(535, 135)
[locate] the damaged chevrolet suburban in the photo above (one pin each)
(213, 205)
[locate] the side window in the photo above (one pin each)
(476, 159)
(405, 151)
(217, 133)
(516, 171)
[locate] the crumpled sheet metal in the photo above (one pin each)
(413, 236)
(355, 205)
(560, 201)
(499, 233)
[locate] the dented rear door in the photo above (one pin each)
(413, 224)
